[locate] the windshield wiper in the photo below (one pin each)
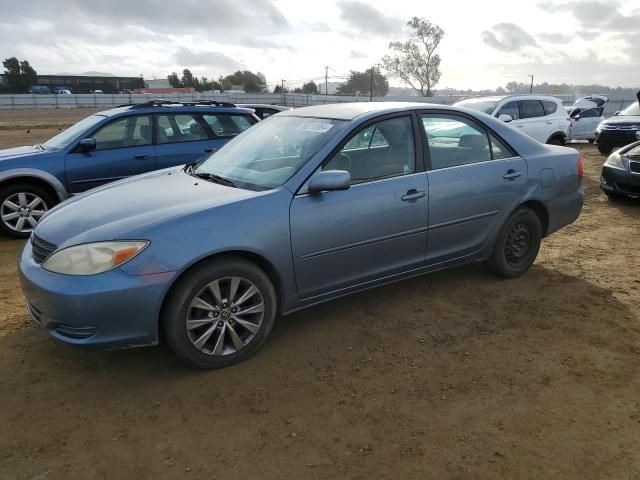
(215, 178)
(38, 146)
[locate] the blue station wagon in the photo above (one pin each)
(306, 206)
(108, 146)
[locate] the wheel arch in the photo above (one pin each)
(42, 179)
(260, 261)
(559, 135)
(541, 211)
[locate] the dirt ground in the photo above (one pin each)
(454, 375)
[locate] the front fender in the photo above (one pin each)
(56, 184)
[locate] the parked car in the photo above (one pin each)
(620, 130)
(108, 146)
(62, 91)
(263, 110)
(584, 121)
(540, 116)
(621, 172)
(591, 101)
(298, 210)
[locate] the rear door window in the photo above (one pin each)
(531, 108)
(226, 125)
(183, 127)
(549, 107)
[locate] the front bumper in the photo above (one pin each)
(621, 181)
(111, 309)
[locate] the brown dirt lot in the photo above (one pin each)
(455, 375)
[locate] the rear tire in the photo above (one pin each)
(605, 149)
(517, 245)
(21, 207)
(557, 141)
(210, 302)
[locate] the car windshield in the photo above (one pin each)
(633, 109)
(64, 138)
(482, 105)
(269, 153)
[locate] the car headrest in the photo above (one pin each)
(472, 141)
(145, 132)
(195, 129)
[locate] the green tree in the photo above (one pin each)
(188, 79)
(174, 81)
(20, 75)
(251, 82)
(278, 89)
(416, 62)
(310, 88)
(359, 83)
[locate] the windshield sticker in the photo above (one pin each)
(316, 127)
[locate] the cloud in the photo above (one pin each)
(356, 55)
(214, 60)
(185, 16)
(554, 37)
(508, 37)
(365, 19)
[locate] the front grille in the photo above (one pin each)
(41, 248)
(634, 167)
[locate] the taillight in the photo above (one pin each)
(580, 166)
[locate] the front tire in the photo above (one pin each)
(614, 195)
(517, 245)
(605, 149)
(220, 313)
(557, 141)
(21, 207)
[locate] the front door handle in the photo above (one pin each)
(141, 156)
(511, 175)
(412, 194)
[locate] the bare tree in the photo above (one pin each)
(416, 62)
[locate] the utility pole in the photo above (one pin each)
(326, 80)
(282, 84)
(531, 87)
(371, 88)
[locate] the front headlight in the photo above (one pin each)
(615, 161)
(92, 258)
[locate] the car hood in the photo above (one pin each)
(111, 211)
(18, 152)
(623, 120)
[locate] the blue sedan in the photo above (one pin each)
(309, 205)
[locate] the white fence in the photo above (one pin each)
(292, 99)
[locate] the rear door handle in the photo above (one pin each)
(141, 156)
(511, 175)
(412, 194)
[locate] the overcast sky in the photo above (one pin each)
(487, 43)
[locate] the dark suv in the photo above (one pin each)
(620, 130)
(108, 146)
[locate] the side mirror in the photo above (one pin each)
(577, 117)
(87, 144)
(329, 181)
(617, 113)
(505, 118)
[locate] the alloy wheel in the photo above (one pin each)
(21, 211)
(225, 316)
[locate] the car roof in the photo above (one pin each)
(174, 108)
(498, 98)
(349, 111)
(263, 105)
